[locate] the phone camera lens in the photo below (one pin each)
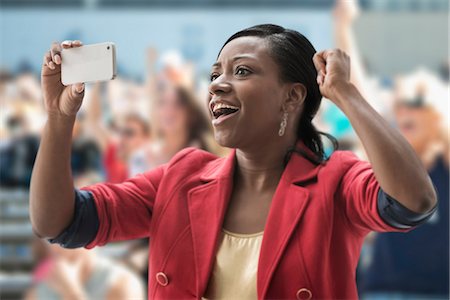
(107, 47)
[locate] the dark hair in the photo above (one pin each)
(293, 52)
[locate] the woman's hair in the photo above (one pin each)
(198, 124)
(199, 129)
(294, 55)
(137, 118)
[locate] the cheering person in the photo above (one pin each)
(274, 219)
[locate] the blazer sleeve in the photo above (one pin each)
(362, 198)
(125, 209)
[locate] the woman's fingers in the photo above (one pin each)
(66, 44)
(57, 58)
(77, 43)
(53, 57)
(71, 44)
(55, 51)
(47, 59)
(333, 61)
(320, 61)
(320, 64)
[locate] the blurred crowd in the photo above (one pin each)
(126, 127)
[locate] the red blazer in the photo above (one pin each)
(318, 219)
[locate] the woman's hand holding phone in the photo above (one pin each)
(51, 187)
(59, 100)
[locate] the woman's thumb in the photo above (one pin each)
(72, 98)
(76, 92)
(78, 89)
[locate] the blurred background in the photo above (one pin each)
(157, 106)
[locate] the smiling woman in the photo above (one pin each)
(268, 64)
(273, 220)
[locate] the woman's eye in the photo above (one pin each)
(242, 72)
(213, 76)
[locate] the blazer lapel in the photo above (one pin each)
(207, 205)
(208, 202)
(286, 210)
(288, 206)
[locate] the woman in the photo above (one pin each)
(205, 215)
(177, 122)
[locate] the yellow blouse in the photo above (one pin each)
(235, 268)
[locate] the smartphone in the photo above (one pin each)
(88, 63)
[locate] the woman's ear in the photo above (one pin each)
(296, 96)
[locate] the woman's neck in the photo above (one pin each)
(261, 168)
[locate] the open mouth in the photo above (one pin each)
(223, 110)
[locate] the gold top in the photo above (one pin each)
(235, 267)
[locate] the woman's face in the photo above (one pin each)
(132, 138)
(419, 125)
(246, 79)
(171, 114)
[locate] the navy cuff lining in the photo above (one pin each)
(84, 226)
(399, 216)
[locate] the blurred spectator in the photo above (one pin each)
(125, 134)
(132, 133)
(178, 120)
(17, 151)
(86, 156)
(20, 107)
(412, 265)
(415, 265)
(81, 274)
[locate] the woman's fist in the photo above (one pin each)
(59, 99)
(333, 72)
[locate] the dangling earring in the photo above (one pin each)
(283, 124)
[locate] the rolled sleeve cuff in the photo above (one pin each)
(84, 226)
(397, 215)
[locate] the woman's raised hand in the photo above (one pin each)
(333, 72)
(59, 100)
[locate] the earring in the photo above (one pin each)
(283, 124)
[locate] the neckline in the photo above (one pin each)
(242, 235)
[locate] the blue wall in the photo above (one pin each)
(198, 34)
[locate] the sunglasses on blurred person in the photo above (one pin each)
(126, 132)
(417, 102)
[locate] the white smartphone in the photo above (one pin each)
(88, 63)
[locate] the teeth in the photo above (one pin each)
(221, 105)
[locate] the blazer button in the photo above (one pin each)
(162, 279)
(304, 294)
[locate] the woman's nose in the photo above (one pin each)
(219, 86)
